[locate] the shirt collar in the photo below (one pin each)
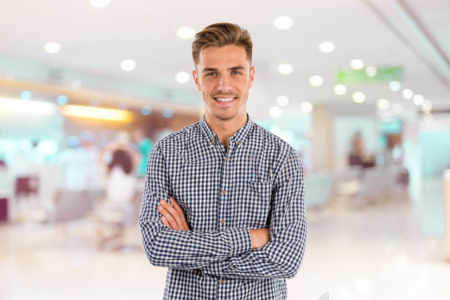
(239, 137)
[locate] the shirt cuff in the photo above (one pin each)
(240, 240)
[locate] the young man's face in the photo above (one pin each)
(224, 77)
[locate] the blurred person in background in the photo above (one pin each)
(114, 213)
(237, 228)
(144, 145)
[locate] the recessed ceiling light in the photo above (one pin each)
(383, 104)
(100, 3)
(182, 77)
(418, 99)
(186, 32)
(371, 71)
(282, 100)
(26, 95)
(167, 113)
(146, 110)
(407, 94)
(128, 65)
(316, 80)
(357, 64)
(397, 108)
(395, 86)
(306, 107)
(427, 106)
(285, 69)
(52, 47)
(340, 89)
(326, 47)
(275, 112)
(359, 97)
(283, 22)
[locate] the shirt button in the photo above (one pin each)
(239, 143)
(216, 138)
(226, 159)
(224, 192)
(222, 221)
(222, 281)
(212, 142)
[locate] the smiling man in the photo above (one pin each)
(223, 206)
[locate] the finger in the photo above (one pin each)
(173, 212)
(164, 221)
(178, 208)
(166, 214)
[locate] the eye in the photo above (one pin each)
(236, 72)
(210, 74)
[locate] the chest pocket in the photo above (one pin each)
(255, 204)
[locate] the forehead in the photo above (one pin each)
(230, 55)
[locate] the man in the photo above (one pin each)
(144, 145)
(236, 226)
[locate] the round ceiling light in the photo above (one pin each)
(283, 22)
(52, 47)
(186, 32)
(275, 112)
(285, 69)
(418, 99)
(357, 64)
(306, 107)
(371, 71)
(327, 47)
(359, 97)
(282, 100)
(407, 94)
(395, 86)
(383, 104)
(128, 65)
(316, 80)
(182, 77)
(340, 89)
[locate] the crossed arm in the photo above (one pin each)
(173, 218)
(233, 253)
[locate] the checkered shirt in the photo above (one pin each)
(257, 183)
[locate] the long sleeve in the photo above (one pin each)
(282, 256)
(180, 249)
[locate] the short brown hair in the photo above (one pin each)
(219, 35)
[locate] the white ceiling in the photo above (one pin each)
(96, 40)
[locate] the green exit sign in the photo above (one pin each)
(361, 76)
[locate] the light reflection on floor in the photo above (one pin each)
(379, 252)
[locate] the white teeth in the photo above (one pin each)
(224, 99)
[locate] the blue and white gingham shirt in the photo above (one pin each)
(257, 183)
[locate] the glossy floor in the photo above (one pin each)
(379, 252)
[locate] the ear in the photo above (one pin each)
(252, 77)
(196, 80)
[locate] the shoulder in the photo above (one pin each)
(177, 140)
(274, 143)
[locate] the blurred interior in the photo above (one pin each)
(360, 88)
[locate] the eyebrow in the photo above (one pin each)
(230, 69)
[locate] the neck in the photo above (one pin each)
(225, 128)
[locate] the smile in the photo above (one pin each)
(223, 99)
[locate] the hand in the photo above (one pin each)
(173, 217)
(260, 237)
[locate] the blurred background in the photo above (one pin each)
(361, 88)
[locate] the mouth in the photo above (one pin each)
(224, 100)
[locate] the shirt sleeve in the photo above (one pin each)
(180, 249)
(282, 256)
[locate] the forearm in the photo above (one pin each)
(180, 249)
(278, 259)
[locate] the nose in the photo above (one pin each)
(224, 84)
